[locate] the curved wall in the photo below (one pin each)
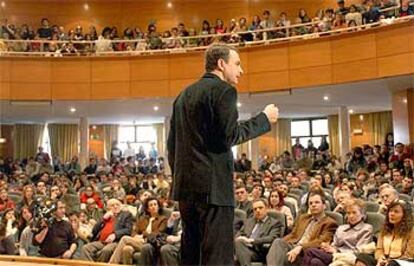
(369, 54)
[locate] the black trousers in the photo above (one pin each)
(207, 237)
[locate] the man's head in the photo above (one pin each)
(241, 193)
(396, 176)
(283, 189)
(114, 205)
(316, 203)
(407, 182)
(260, 209)
(399, 148)
(257, 191)
(267, 180)
(388, 195)
(60, 210)
(224, 60)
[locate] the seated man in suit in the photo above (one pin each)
(309, 231)
(257, 231)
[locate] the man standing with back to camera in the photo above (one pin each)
(204, 127)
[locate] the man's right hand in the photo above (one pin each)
(272, 113)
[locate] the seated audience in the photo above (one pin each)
(115, 224)
(347, 239)
(309, 231)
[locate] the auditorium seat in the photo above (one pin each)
(336, 216)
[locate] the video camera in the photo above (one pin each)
(43, 213)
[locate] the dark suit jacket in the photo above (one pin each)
(269, 231)
(323, 232)
(203, 129)
(123, 226)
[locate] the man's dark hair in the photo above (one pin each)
(216, 52)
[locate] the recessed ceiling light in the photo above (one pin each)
(86, 6)
(3, 4)
(156, 108)
(351, 111)
(405, 100)
(72, 109)
(3, 140)
(94, 127)
(239, 104)
(361, 117)
(325, 98)
(169, 5)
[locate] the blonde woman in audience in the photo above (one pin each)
(276, 202)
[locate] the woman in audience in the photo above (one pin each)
(88, 193)
(7, 245)
(396, 240)
(148, 227)
(347, 239)
(357, 161)
(304, 18)
(5, 201)
(353, 15)
(9, 220)
(26, 247)
(276, 202)
(28, 198)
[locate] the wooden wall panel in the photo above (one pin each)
(30, 70)
(71, 91)
(410, 102)
(149, 68)
(5, 69)
(31, 91)
(353, 48)
(268, 59)
(150, 88)
(365, 137)
(353, 71)
(310, 54)
(96, 146)
(4, 90)
(268, 81)
(71, 70)
(395, 65)
(110, 90)
(395, 41)
(110, 70)
(6, 149)
(311, 76)
(187, 66)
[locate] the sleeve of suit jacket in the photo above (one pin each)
(230, 131)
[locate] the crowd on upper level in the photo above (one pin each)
(266, 26)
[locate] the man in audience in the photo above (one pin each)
(107, 232)
(243, 165)
(388, 195)
(56, 239)
(309, 231)
(242, 201)
(257, 234)
(170, 251)
(406, 186)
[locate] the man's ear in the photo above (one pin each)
(220, 64)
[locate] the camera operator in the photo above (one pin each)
(56, 239)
